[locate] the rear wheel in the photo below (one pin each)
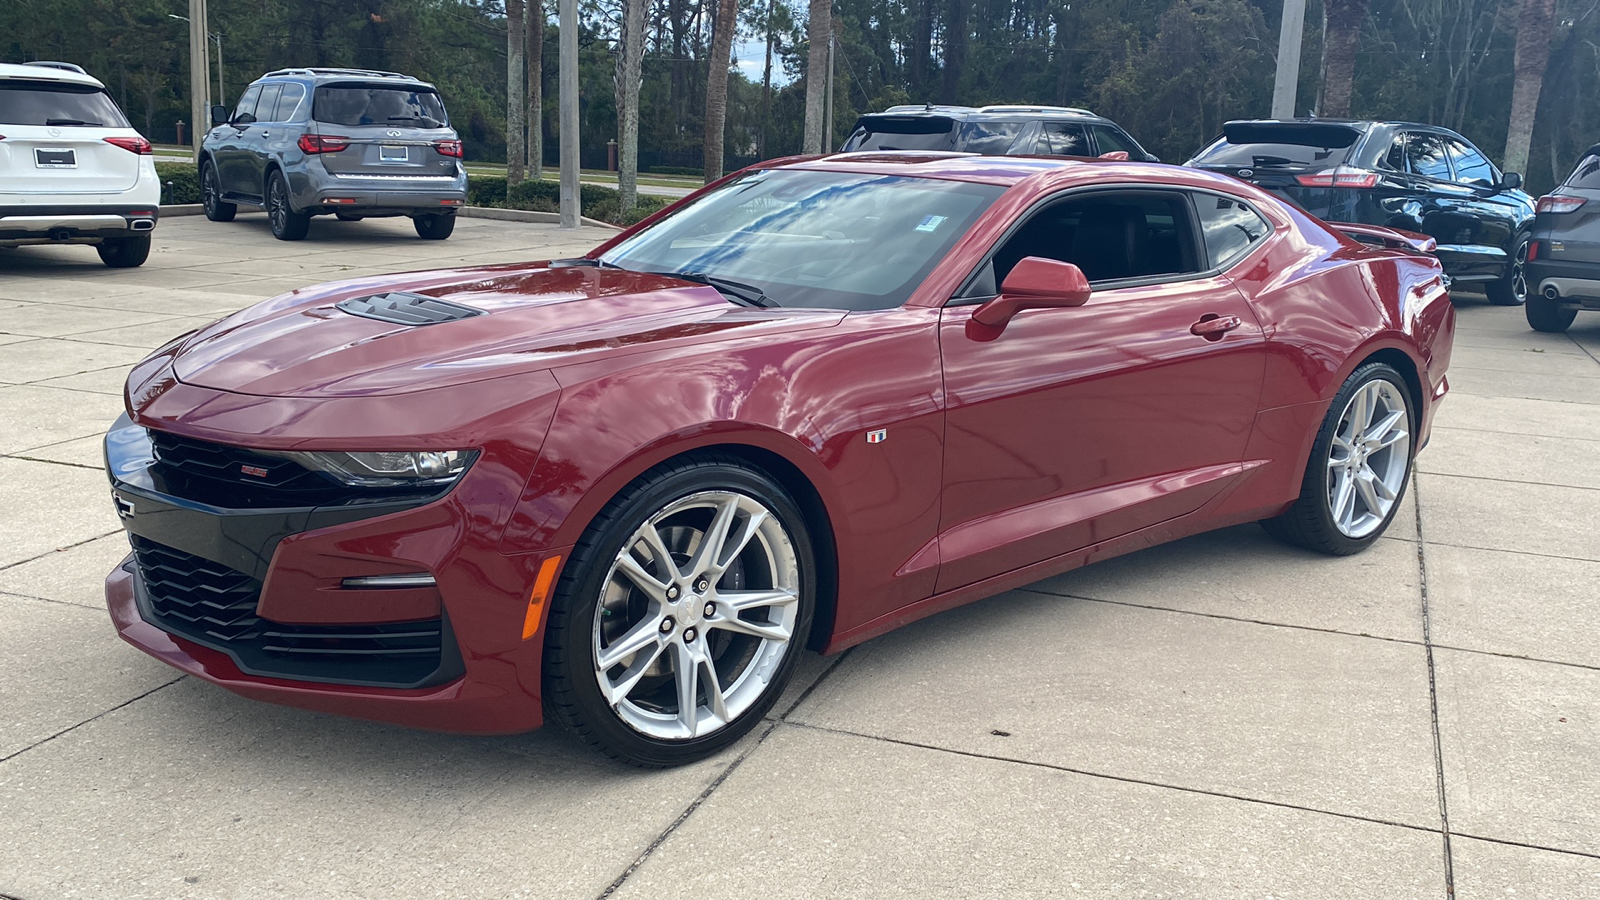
(1545, 314)
(1512, 288)
(681, 613)
(433, 227)
(287, 225)
(124, 252)
(211, 200)
(1359, 468)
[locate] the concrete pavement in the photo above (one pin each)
(1221, 717)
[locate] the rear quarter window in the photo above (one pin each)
(1229, 226)
(1587, 173)
(990, 138)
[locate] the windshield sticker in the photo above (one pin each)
(931, 223)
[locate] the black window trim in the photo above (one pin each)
(1095, 287)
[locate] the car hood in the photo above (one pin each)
(529, 317)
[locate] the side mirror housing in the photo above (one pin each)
(1510, 181)
(1116, 155)
(219, 115)
(1035, 283)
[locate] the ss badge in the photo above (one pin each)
(877, 435)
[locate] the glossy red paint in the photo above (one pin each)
(1017, 450)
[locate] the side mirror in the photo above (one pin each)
(219, 115)
(1035, 283)
(243, 119)
(1510, 181)
(1116, 155)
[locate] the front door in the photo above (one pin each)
(1074, 426)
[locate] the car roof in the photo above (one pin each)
(46, 72)
(1358, 123)
(995, 113)
(1006, 170)
(321, 74)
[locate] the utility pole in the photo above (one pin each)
(827, 100)
(568, 77)
(199, 75)
(1283, 88)
(222, 92)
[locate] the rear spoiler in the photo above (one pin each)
(1390, 238)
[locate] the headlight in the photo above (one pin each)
(387, 468)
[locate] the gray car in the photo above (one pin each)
(354, 143)
(1564, 255)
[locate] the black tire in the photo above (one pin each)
(433, 227)
(1309, 522)
(572, 693)
(1512, 288)
(1547, 315)
(217, 209)
(124, 252)
(287, 225)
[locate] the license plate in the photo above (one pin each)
(46, 158)
(394, 154)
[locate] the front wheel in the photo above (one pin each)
(124, 252)
(1359, 468)
(681, 613)
(287, 225)
(431, 227)
(211, 200)
(1512, 288)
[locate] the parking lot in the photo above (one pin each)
(1220, 717)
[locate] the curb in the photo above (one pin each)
(471, 212)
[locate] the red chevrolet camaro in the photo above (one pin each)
(813, 402)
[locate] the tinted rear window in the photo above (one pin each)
(42, 103)
(370, 104)
(902, 133)
(1267, 144)
(1587, 174)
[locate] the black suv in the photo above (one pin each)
(1564, 255)
(995, 131)
(1399, 174)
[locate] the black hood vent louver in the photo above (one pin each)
(404, 308)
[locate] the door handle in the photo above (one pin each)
(1212, 327)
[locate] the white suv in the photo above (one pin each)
(72, 170)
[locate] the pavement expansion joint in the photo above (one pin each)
(1565, 487)
(1124, 779)
(1582, 559)
(102, 713)
(53, 462)
(58, 550)
(1433, 696)
(1580, 346)
(14, 594)
(1520, 434)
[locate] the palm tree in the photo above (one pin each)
(818, 31)
(515, 107)
(534, 31)
(1341, 36)
(1535, 21)
(717, 87)
(630, 69)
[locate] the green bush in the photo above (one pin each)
(596, 201)
(676, 170)
(185, 181)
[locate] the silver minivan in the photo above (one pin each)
(354, 143)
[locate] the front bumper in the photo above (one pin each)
(253, 600)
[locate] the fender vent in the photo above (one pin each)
(402, 308)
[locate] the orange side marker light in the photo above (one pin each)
(541, 591)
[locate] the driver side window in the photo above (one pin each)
(1112, 236)
(246, 107)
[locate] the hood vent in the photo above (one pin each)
(403, 308)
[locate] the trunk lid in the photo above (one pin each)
(392, 130)
(54, 139)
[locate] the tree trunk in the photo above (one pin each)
(921, 49)
(818, 31)
(1339, 42)
(534, 30)
(630, 68)
(717, 87)
(1535, 19)
(516, 105)
(766, 83)
(955, 50)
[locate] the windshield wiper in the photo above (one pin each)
(737, 291)
(69, 122)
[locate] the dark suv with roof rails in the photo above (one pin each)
(1564, 255)
(996, 131)
(355, 143)
(1399, 174)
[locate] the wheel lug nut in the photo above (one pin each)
(666, 626)
(672, 592)
(711, 609)
(689, 634)
(701, 586)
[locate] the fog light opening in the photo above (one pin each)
(388, 582)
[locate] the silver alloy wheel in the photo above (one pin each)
(1519, 272)
(696, 615)
(208, 186)
(1368, 458)
(277, 206)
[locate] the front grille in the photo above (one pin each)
(237, 478)
(214, 605)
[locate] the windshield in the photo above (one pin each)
(831, 240)
(54, 103)
(366, 104)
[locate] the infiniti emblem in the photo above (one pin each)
(392, 133)
(1246, 173)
